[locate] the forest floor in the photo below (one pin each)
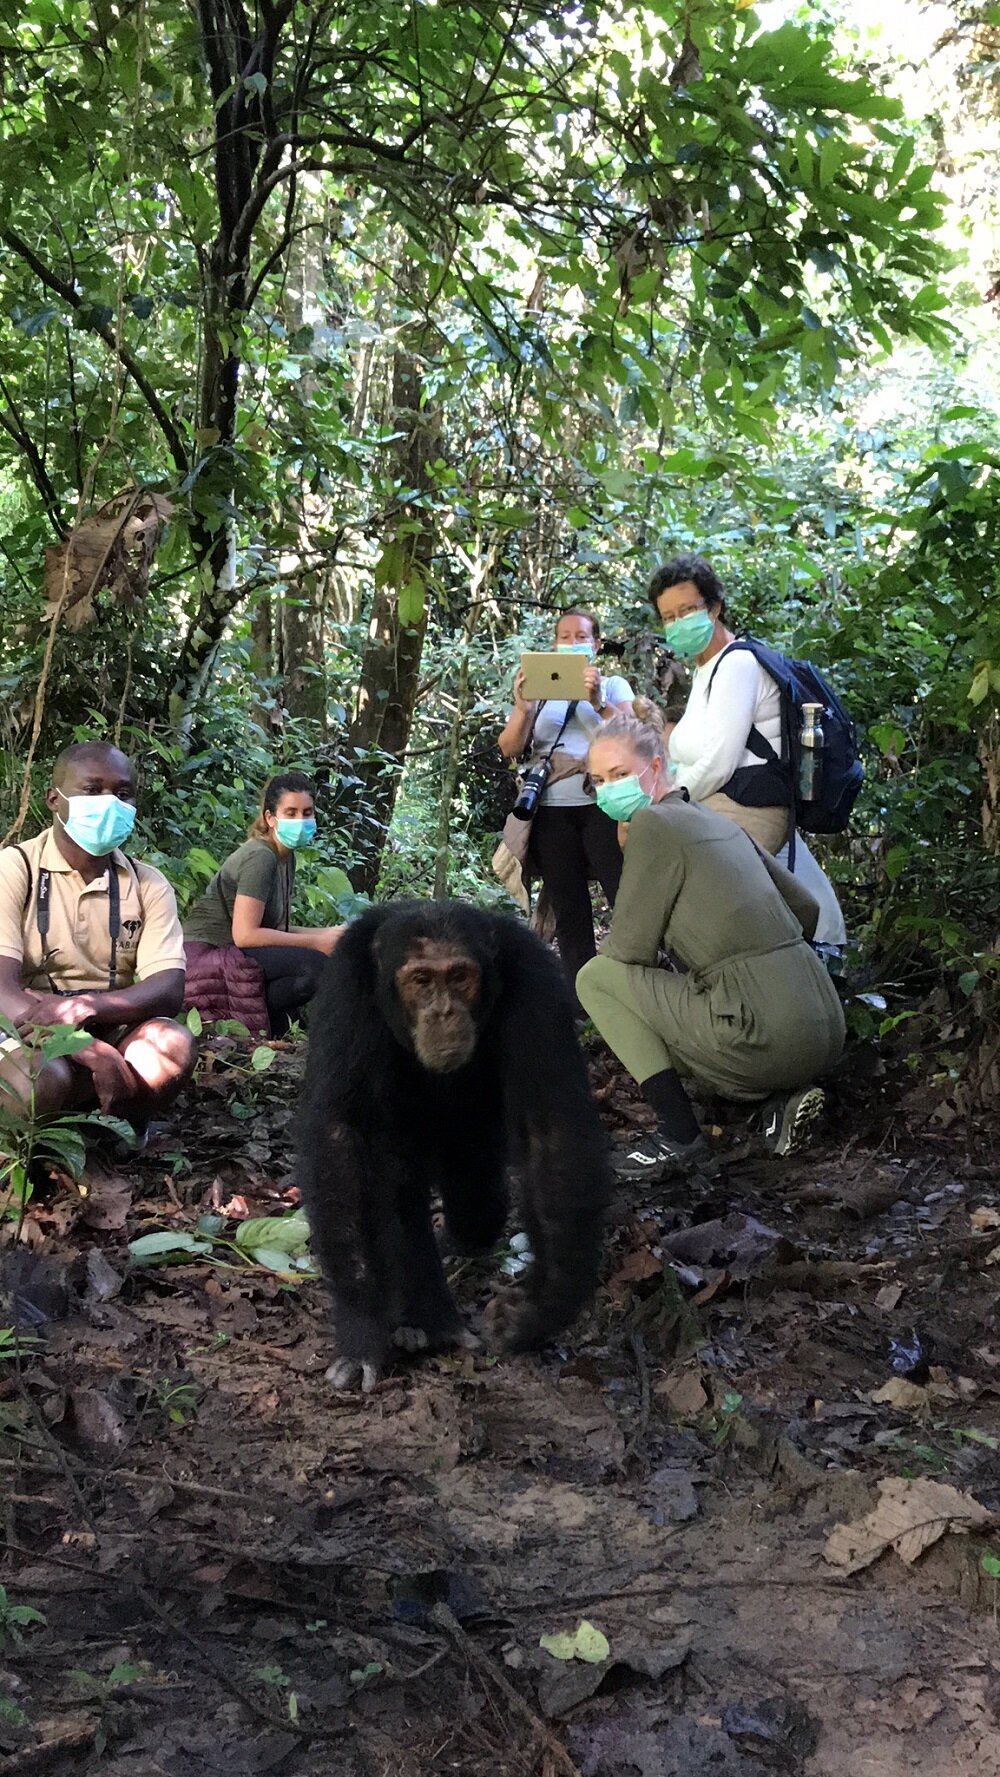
(238, 1571)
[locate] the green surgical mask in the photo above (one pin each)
(623, 798)
(576, 648)
(689, 636)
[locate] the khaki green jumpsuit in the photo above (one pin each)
(756, 1011)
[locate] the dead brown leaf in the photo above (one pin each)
(111, 548)
(909, 1517)
(888, 1297)
(897, 1392)
(683, 1391)
(635, 1268)
(107, 1199)
(985, 1219)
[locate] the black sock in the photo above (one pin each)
(676, 1120)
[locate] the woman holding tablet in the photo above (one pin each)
(572, 842)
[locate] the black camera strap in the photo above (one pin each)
(568, 717)
(43, 919)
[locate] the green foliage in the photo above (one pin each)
(629, 278)
(274, 1243)
(27, 1139)
(14, 1618)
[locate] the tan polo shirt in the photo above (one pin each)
(149, 942)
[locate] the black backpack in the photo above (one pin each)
(842, 772)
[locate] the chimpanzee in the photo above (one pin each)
(442, 1051)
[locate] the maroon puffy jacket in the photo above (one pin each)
(225, 983)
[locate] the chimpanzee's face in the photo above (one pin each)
(439, 987)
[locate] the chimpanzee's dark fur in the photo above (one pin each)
(378, 1134)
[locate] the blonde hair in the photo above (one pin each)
(642, 732)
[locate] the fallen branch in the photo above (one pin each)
(485, 1665)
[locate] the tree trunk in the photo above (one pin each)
(301, 609)
(482, 566)
(244, 152)
(989, 757)
(390, 666)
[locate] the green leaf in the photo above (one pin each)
(281, 1234)
(64, 1145)
(262, 1058)
(968, 982)
(980, 685)
(271, 1257)
(389, 567)
(990, 1565)
(193, 1021)
(585, 1643)
(829, 159)
(160, 1248)
(411, 601)
(561, 1647)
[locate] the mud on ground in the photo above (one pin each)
(238, 1572)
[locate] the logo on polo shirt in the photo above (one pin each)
(129, 939)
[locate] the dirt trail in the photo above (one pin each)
(249, 1575)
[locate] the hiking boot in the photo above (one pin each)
(657, 1157)
(788, 1123)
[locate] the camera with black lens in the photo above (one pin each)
(530, 793)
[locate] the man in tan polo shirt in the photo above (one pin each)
(91, 939)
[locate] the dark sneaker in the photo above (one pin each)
(788, 1123)
(656, 1157)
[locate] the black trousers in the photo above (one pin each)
(291, 977)
(569, 848)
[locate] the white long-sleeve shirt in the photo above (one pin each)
(710, 740)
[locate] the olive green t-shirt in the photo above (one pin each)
(254, 870)
(695, 884)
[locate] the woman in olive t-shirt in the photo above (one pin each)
(248, 902)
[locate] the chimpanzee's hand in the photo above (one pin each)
(349, 1372)
(363, 1341)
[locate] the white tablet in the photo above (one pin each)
(554, 675)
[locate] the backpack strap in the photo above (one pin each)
(761, 748)
(26, 861)
(755, 742)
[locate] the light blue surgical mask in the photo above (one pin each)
(576, 648)
(295, 834)
(689, 636)
(97, 824)
(623, 798)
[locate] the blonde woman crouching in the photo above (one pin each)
(750, 1011)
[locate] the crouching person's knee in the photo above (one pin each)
(595, 980)
(163, 1054)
